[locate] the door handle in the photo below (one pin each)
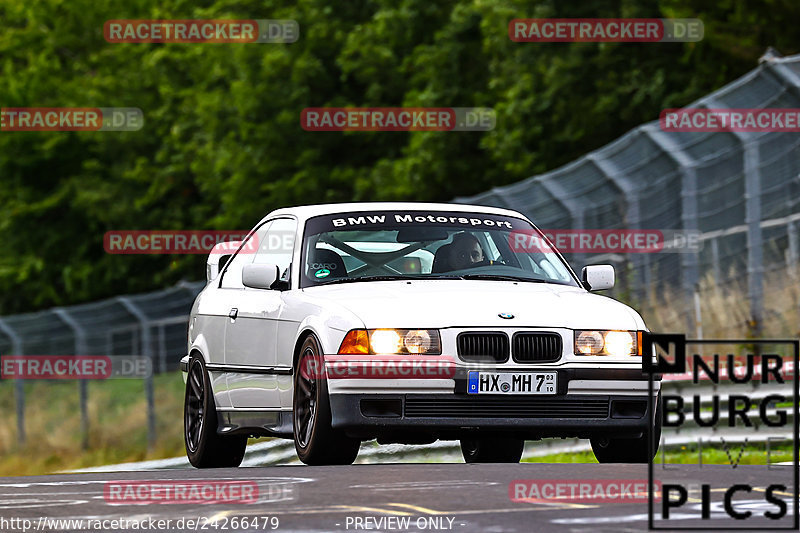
(233, 314)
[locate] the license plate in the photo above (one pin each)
(511, 382)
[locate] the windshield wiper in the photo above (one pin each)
(386, 277)
(499, 277)
(391, 277)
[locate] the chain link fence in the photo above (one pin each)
(740, 191)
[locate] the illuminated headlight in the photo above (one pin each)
(616, 343)
(392, 341)
(385, 341)
(620, 343)
(405, 341)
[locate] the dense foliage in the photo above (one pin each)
(222, 143)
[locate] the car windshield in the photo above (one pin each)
(390, 245)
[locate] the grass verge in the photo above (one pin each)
(117, 424)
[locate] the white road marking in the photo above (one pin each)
(422, 485)
(36, 503)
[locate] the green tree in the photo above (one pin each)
(222, 143)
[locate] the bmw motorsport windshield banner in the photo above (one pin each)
(372, 220)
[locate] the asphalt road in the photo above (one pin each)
(383, 497)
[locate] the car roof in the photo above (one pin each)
(307, 211)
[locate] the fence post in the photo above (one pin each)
(690, 261)
(147, 351)
(19, 389)
(792, 258)
(752, 219)
(755, 252)
(80, 349)
(715, 261)
(792, 251)
(573, 206)
(162, 348)
(698, 313)
(633, 217)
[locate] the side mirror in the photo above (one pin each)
(218, 257)
(598, 277)
(259, 276)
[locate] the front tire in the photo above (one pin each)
(492, 450)
(205, 448)
(609, 450)
(315, 441)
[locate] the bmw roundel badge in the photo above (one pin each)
(505, 315)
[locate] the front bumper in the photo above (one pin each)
(406, 417)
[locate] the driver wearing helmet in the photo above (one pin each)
(465, 250)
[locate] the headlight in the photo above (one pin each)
(620, 343)
(588, 342)
(421, 341)
(392, 341)
(615, 343)
(385, 341)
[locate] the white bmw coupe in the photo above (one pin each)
(408, 323)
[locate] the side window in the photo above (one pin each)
(232, 277)
(277, 245)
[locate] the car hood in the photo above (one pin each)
(477, 303)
